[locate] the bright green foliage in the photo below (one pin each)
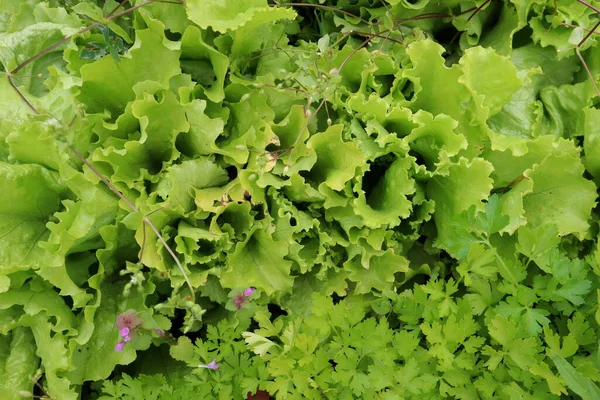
(560, 194)
(365, 205)
(30, 195)
(104, 80)
(233, 14)
(17, 363)
(259, 262)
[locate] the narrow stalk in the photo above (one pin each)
(324, 7)
(575, 26)
(593, 30)
(471, 17)
(587, 70)
(589, 6)
(135, 209)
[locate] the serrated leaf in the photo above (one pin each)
(232, 14)
(259, 262)
(560, 194)
(29, 195)
(258, 344)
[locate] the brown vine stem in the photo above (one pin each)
(114, 10)
(104, 179)
(575, 26)
(485, 3)
(337, 71)
(592, 31)
(146, 220)
(585, 3)
(380, 35)
(588, 72)
(86, 29)
(323, 7)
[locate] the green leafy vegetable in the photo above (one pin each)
(335, 199)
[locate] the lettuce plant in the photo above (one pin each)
(346, 199)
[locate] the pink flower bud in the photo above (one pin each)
(128, 319)
(119, 346)
(211, 365)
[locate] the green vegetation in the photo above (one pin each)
(378, 199)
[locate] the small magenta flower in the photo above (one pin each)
(240, 299)
(127, 323)
(160, 332)
(128, 319)
(211, 365)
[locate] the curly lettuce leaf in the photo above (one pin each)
(29, 195)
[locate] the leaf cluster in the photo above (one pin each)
(408, 188)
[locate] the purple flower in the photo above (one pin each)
(160, 332)
(127, 323)
(129, 320)
(211, 365)
(240, 299)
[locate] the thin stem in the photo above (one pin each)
(307, 122)
(322, 103)
(111, 12)
(388, 37)
(21, 95)
(432, 15)
(327, 112)
(300, 83)
(464, 12)
(284, 88)
(379, 35)
(105, 180)
(478, 9)
(323, 7)
(485, 3)
(68, 38)
(67, 2)
(86, 29)
(279, 50)
(54, 46)
(587, 70)
(340, 40)
(292, 50)
(360, 46)
(589, 6)
(143, 246)
(588, 34)
(135, 209)
(120, 14)
(173, 255)
(46, 394)
(22, 76)
(575, 26)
